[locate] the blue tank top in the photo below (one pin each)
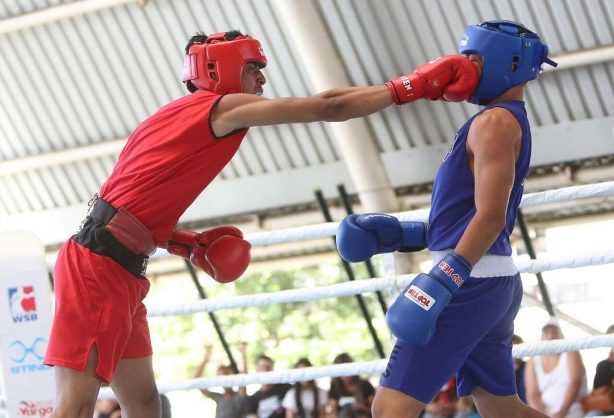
(453, 200)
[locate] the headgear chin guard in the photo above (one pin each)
(511, 55)
(216, 64)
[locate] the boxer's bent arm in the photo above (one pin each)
(493, 142)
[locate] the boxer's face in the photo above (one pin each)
(477, 60)
(252, 79)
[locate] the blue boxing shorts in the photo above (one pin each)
(473, 337)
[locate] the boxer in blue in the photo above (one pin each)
(458, 318)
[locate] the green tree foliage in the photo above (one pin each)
(318, 330)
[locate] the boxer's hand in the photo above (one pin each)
(220, 252)
(359, 237)
(452, 77)
(413, 314)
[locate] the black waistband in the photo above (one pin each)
(99, 240)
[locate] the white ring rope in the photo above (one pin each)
(328, 229)
(359, 287)
(562, 262)
(561, 346)
(368, 368)
(568, 193)
(371, 285)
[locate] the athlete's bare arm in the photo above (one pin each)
(235, 111)
(576, 372)
(493, 146)
(534, 399)
(452, 77)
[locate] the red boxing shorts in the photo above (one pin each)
(97, 302)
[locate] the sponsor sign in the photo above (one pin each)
(26, 355)
(22, 303)
(25, 321)
(420, 297)
(35, 408)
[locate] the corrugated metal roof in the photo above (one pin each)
(90, 79)
(12, 8)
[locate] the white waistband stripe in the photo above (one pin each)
(488, 266)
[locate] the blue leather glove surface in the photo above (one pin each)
(360, 237)
(413, 314)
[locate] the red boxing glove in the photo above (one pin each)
(452, 77)
(220, 252)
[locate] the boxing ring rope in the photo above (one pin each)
(370, 285)
(328, 229)
(369, 368)
(360, 286)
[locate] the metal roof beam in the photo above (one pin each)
(61, 12)
(308, 31)
(582, 58)
(56, 158)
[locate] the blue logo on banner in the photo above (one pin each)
(27, 357)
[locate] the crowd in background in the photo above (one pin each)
(555, 384)
(348, 396)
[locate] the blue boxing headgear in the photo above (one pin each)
(511, 55)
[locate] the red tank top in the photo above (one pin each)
(168, 161)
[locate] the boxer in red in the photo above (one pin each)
(100, 330)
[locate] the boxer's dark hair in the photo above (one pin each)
(200, 38)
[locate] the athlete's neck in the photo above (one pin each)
(515, 93)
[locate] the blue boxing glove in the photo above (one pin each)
(413, 314)
(360, 237)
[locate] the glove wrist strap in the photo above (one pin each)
(406, 88)
(413, 236)
(451, 271)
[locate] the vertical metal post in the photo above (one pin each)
(216, 325)
(348, 209)
(350, 275)
(529, 246)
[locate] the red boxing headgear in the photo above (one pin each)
(216, 64)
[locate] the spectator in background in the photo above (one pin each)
(107, 408)
(465, 408)
(165, 406)
(519, 368)
(305, 399)
(556, 382)
(443, 404)
(603, 385)
(230, 403)
(350, 396)
(266, 402)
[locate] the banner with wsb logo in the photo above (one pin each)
(25, 321)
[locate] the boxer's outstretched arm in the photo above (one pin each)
(452, 77)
